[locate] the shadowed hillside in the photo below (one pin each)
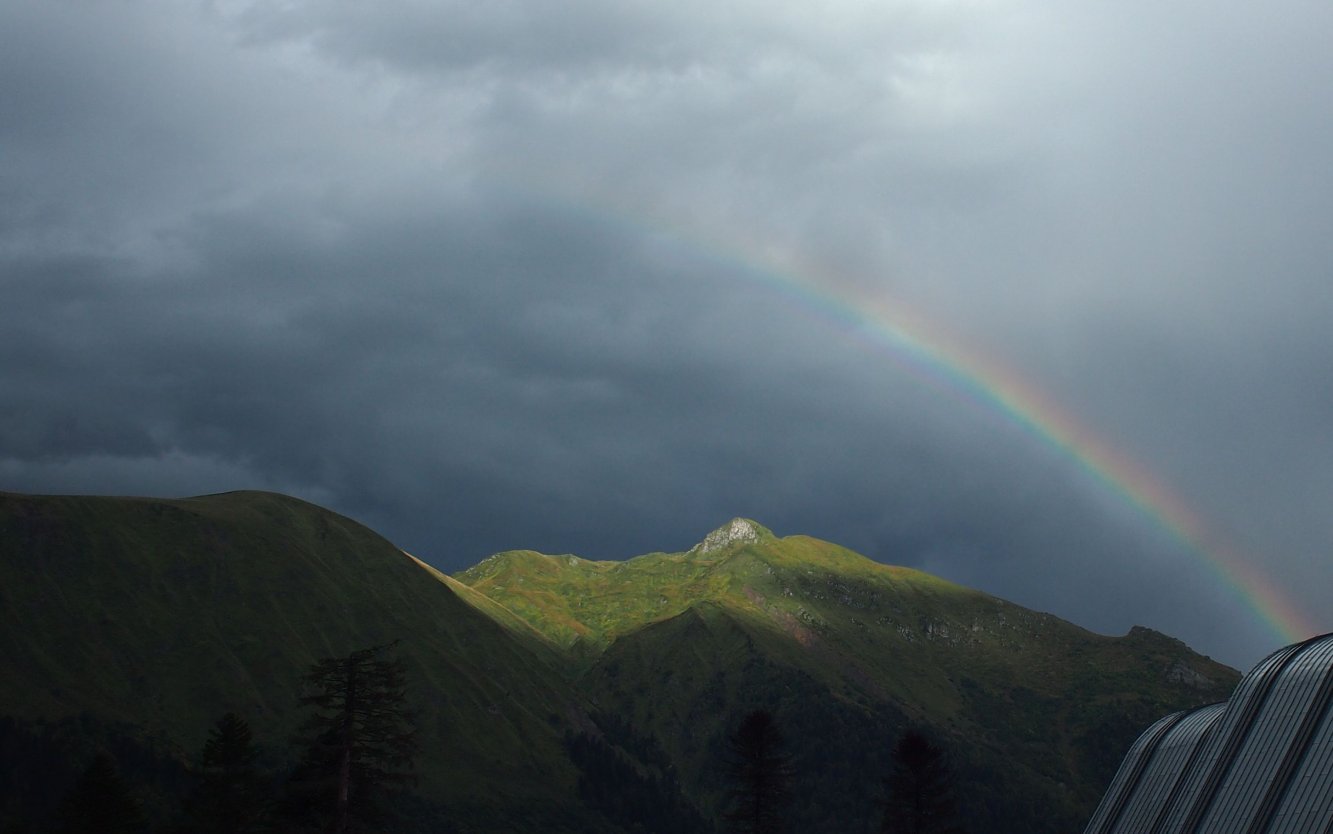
(164, 614)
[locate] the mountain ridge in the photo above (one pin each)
(163, 613)
(880, 640)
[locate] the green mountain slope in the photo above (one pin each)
(153, 617)
(164, 614)
(1037, 710)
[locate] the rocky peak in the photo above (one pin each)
(736, 531)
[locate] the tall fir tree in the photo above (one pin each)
(231, 797)
(761, 774)
(360, 744)
(100, 802)
(919, 792)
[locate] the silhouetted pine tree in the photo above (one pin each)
(919, 791)
(761, 772)
(359, 744)
(231, 797)
(100, 802)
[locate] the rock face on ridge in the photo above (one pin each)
(738, 530)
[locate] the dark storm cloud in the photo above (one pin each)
(492, 276)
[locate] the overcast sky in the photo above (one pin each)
(506, 275)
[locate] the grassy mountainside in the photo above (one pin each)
(163, 614)
(153, 617)
(1037, 710)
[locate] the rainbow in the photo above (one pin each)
(930, 353)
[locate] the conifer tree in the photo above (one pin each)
(761, 773)
(919, 791)
(101, 802)
(359, 742)
(231, 796)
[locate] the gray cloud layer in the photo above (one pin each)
(492, 276)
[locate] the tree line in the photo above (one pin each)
(639, 792)
(355, 753)
(918, 793)
(356, 750)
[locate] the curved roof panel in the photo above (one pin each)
(1260, 763)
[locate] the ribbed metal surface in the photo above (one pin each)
(1303, 803)
(1128, 778)
(1171, 762)
(1234, 723)
(1262, 763)
(1195, 763)
(1258, 760)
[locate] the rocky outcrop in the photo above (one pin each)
(736, 531)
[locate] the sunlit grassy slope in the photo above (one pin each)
(866, 629)
(1036, 706)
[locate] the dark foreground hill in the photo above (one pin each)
(132, 624)
(159, 616)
